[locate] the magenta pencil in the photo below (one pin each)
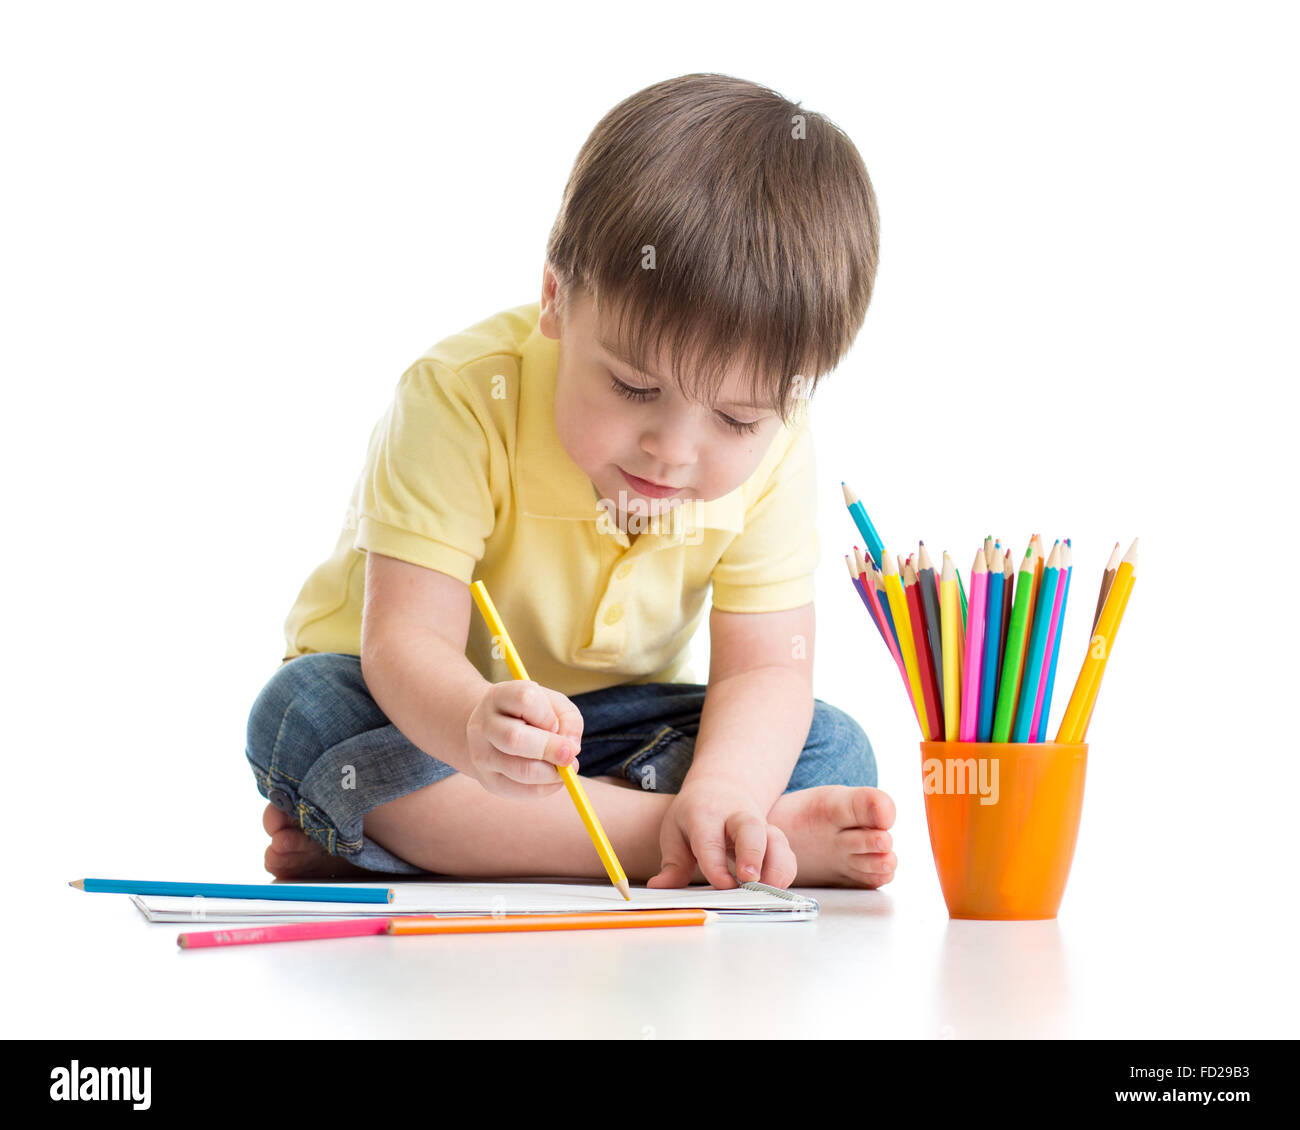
(292, 932)
(970, 683)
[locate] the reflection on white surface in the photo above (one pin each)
(1002, 980)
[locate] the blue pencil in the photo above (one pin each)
(1044, 606)
(992, 651)
(274, 891)
(862, 520)
(1056, 644)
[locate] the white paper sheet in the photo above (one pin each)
(751, 900)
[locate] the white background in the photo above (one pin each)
(227, 230)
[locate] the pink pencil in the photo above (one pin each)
(868, 576)
(970, 683)
(293, 932)
(1052, 627)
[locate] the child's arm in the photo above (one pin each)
(757, 713)
(414, 625)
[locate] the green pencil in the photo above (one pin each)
(1013, 665)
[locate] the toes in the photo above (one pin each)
(779, 864)
(872, 808)
(873, 869)
(273, 819)
(862, 841)
(290, 841)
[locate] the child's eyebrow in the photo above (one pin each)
(618, 355)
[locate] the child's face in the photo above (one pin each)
(703, 451)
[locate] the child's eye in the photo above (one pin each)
(739, 425)
(630, 392)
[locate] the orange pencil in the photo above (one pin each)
(515, 923)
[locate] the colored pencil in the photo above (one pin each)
(975, 625)
(1013, 664)
(990, 665)
(1107, 579)
(961, 591)
(862, 592)
(1008, 590)
(514, 923)
(590, 820)
(1074, 724)
(950, 612)
(1042, 716)
(866, 573)
(290, 932)
(1035, 656)
(278, 892)
(862, 520)
(929, 593)
(882, 600)
(1033, 588)
(925, 663)
(906, 641)
(873, 588)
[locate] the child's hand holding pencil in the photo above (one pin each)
(517, 737)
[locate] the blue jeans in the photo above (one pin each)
(324, 753)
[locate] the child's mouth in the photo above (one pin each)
(647, 488)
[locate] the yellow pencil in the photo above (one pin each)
(903, 625)
(950, 621)
(589, 818)
(1074, 725)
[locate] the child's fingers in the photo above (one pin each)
(570, 717)
(517, 738)
(514, 790)
(527, 700)
(749, 834)
(710, 849)
(677, 864)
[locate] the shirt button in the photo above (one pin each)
(281, 800)
(623, 571)
(613, 614)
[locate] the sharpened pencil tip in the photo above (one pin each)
(79, 884)
(624, 889)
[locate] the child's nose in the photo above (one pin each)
(672, 448)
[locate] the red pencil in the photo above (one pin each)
(291, 932)
(933, 712)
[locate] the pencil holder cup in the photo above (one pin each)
(1003, 818)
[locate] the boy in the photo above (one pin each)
(601, 460)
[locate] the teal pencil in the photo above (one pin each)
(278, 892)
(862, 520)
(1044, 607)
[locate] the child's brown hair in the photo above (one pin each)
(714, 216)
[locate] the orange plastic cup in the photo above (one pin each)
(1003, 817)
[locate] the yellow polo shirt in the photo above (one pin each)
(465, 474)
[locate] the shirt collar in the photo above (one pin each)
(551, 485)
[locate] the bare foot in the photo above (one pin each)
(295, 855)
(838, 835)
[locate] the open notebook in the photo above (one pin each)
(748, 901)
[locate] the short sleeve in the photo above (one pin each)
(425, 493)
(769, 566)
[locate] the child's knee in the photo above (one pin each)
(838, 752)
(282, 742)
